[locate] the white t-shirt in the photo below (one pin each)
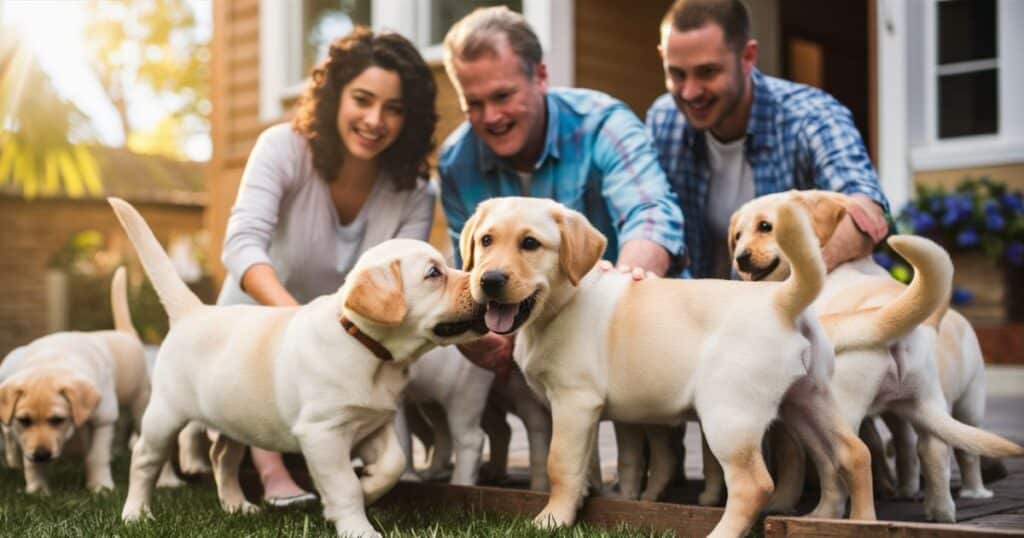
(732, 185)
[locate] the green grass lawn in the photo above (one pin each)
(194, 511)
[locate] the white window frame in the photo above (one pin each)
(927, 150)
(281, 76)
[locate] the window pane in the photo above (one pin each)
(967, 30)
(968, 104)
(324, 21)
(445, 13)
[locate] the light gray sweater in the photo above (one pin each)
(284, 216)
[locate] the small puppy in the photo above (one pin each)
(902, 378)
(73, 383)
(599, 345)
(515, 397)
(444, 376)
(322, 379)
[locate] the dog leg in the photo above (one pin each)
(790, 469)
(468, 436)
(970, 409)
(664, 461)
(12, 450)
(537, 419)
(738, 447)
(384, 463)
(327, 448)
(192, 453)
(938, 500)
(97, 459)
(405, 440)
(574, 425)
(159, 426)
(631, 465)
(443, 442)
(499, 434)
(885, 485)
(908, 467)
(226, 456)
(714, 477)
(35, 478)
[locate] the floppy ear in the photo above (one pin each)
(377, 294)
(466, 242)
(10, 392)
(582, 245)
(825, 209)
(732, 232)
(83, 398)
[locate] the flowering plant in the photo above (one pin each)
(980, 214)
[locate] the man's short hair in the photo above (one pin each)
(484, 30)
(731, 15)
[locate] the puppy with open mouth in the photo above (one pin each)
(321, 379)
(602, 346)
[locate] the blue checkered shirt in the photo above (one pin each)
(798, 137)
(597, 159)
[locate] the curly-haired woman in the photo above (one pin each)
(347, 173)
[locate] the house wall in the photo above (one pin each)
(32, 232)
(1011, 174)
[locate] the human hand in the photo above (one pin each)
(491, 352)
(637, 273)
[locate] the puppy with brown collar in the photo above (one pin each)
(322, 379)
(72, 384)
(601, 346)
(904, 378)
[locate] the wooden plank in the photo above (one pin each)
(1002, 344)
(244, 30)
(684, 520)
(778, 527)
(245, 8)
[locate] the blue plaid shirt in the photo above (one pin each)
(597, 159)
(798, 137)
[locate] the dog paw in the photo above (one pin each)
(492, 474)
(709, 498)
(551, 519)
(192, 466)
(243, 507)
(410, 476)
(136, 515)
(170, 481)
(101, 487)
(940, 511)
(977, 493)
(358, 532)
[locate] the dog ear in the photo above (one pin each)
(582, 245)
(83, 398)
(826, 209)
(377, 294)
(732, 232)
(10, 393)
(466, 242)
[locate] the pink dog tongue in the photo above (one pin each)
(500, 317)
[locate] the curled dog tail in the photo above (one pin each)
(119, 303)
(807, 270)
(962, 436)
(177, 299)
(927, 293)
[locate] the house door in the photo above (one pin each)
(826, 45)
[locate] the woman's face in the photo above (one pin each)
(370, 114)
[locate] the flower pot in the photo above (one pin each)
(984, 279)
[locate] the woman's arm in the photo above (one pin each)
(261, 283)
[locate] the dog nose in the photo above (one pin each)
(41, 455)
(493, 282)
(743, 261)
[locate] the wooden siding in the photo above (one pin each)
(1011, 174)
(616, 49)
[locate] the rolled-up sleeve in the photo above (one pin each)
(638, 195)
(254, 216)
(419, 217)
(838, 156)
(455, 212)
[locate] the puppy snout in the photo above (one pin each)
(743, 261)
(493, 282)
(41, 455)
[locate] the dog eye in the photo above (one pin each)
(433, 272)
(529, 243)
(764, 226)
(56, 421)
(485, 240)
(25, 422)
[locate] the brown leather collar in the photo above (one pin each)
(374, 346)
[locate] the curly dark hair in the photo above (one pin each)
(317, 111)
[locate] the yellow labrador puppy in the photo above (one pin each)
(321, 379)
(898, 375)
(73, 383)
(599, 345)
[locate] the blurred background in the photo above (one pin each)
(160, 102)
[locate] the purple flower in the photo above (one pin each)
(935, 204)
(961, 296)
(1014, 201)
(884, 259)
(991, 206)
(950, 218)
(1015, 254)
(995, 221)
(967, 238)
(922, 223)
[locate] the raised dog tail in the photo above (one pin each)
(926, 294)
(807, 269)
(119, 303)
(962, 436)
(177, 299)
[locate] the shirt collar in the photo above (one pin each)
(489, 161)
